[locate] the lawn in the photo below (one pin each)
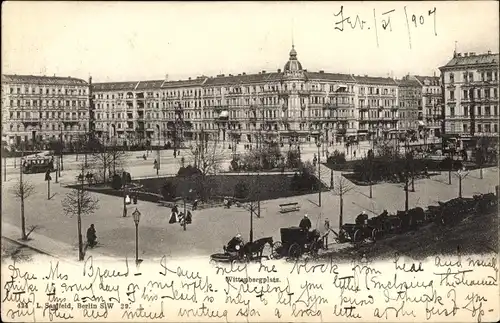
(266, 187)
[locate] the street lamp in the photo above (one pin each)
(137, 217)
(185, 213)
(318, 144)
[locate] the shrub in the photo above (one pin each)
(188, 171)
(235, 164)
(241, 190)
(168, 190)
(450, 164)
(336, 158)
(116, 182)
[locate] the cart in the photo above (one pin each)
(296, 241)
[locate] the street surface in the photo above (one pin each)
(211, 228)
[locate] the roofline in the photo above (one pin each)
(62, 78)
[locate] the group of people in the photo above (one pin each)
(179, 217)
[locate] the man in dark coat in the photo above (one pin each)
(91, 236)
(237, 241)
(305, 223)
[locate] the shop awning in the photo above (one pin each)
(224, 114)
(421, 123)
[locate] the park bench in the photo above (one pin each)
(289, 207)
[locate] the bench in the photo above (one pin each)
(289, 207)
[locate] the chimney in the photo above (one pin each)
(472, 54)
(279, 70)
(263, 72)
(322, 71)
(434, 73)
(466, 54)
(189, 78)
(459, 55)
(244, 73)
(489, 52)
(166, 77)
(90, 79)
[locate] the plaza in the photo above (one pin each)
(212, 227)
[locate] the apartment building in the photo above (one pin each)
(41, 108)
(470, 85)
(282, 106)
(420, 103)
(378, 107)
(430, 111)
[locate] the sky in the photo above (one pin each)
(131, 41)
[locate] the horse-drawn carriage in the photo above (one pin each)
(454, 210)
(296, 241)
(254, 250)
(350, 232)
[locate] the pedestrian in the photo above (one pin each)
(91, 236)
(355, 154)
(173, 215)
(155, 164)
(195, 204)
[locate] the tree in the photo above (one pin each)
(207, 157)
(22, 190)
(341, 187)
(79, 202)
(108, 160)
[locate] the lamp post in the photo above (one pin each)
(137, 217)
(4, 168)
(318, 144)
(185, 212)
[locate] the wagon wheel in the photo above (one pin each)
(277, 250)
(294, 251)
(358, 236)
(267, 251)
(342, 237)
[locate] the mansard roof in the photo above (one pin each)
(45, 80)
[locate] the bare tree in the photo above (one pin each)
(341, 187)
(107, 160)
(22, 190)
(207, 157)
(79, 202)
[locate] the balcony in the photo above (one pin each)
(305, 92)
(364, 108)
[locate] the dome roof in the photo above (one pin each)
(293, 64)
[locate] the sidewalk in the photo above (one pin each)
(45, 245)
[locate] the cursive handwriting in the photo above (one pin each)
(383, 22)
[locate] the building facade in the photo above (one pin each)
(410, 100)
(40, 108)
(289, 105)
(470, 85)
(420, 102)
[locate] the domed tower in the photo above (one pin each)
(294, 98)
(293, 66)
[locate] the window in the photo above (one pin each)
(466, 128)
(495, 127)
(452, 78)
(479, 111)
(452, 95)
(487, 111)
(465, 96)
(487, 128)
(452, 112)
(479, 128)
